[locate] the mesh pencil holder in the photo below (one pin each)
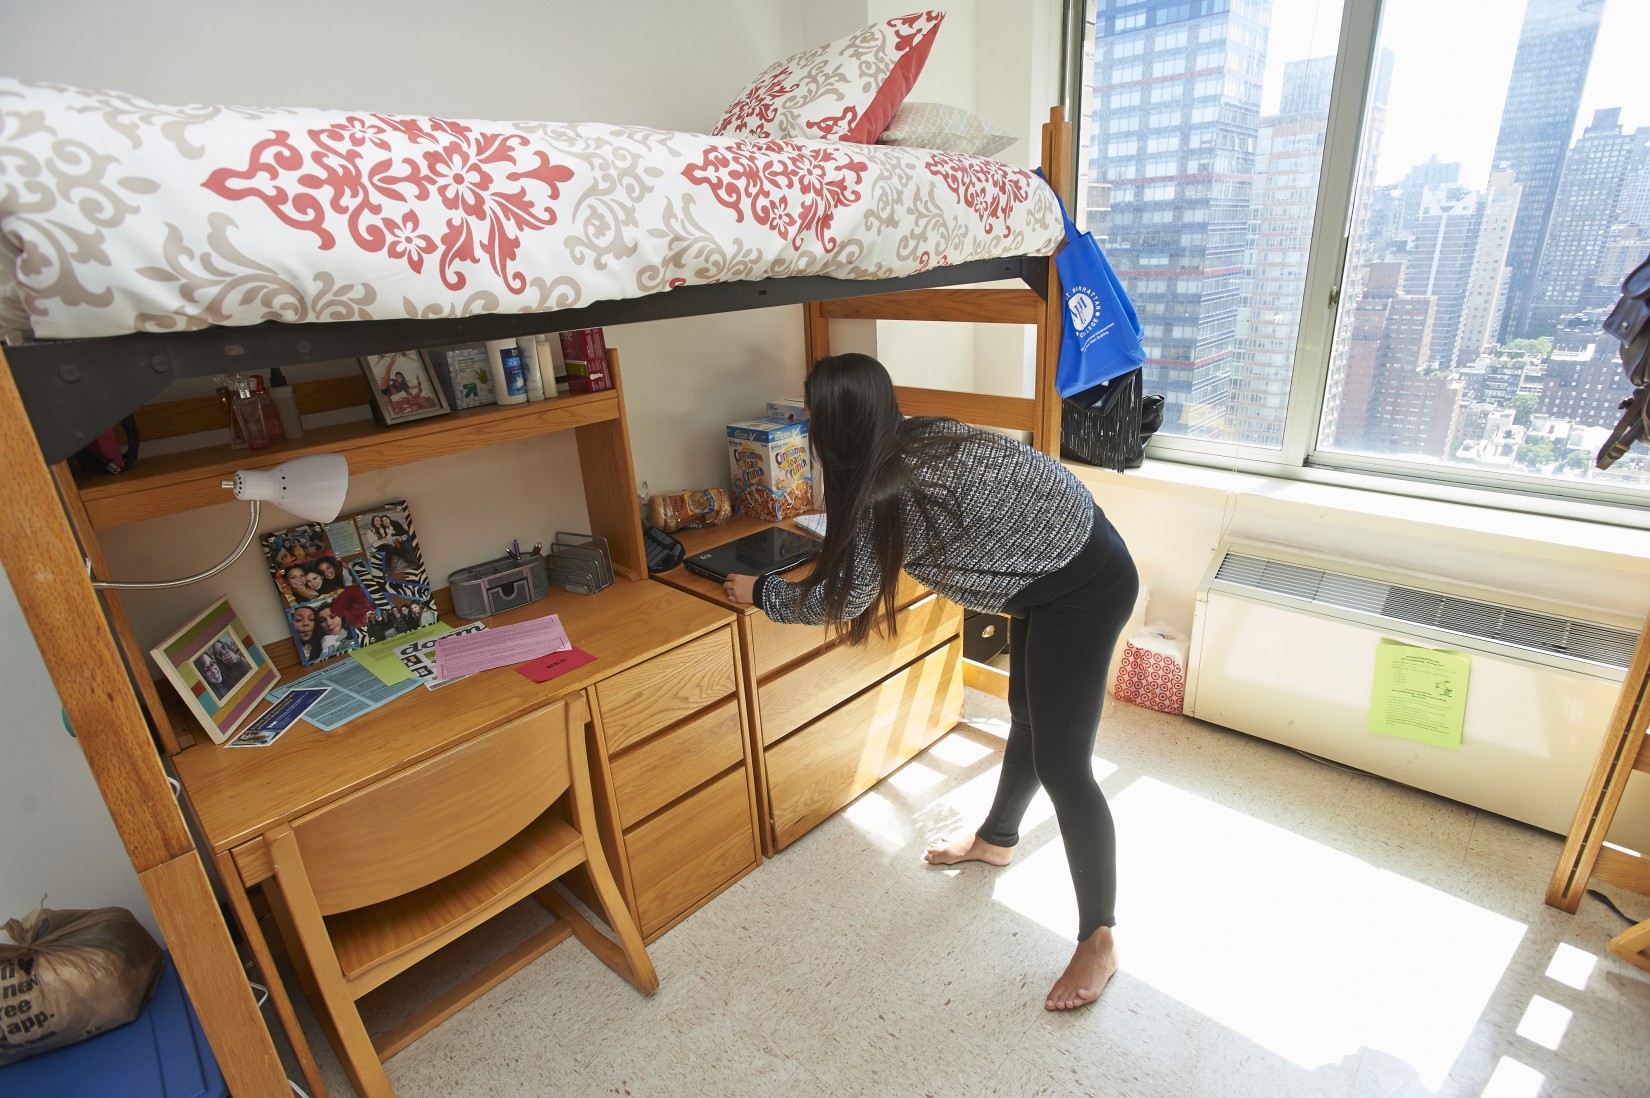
(1108, 431)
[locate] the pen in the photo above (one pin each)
(515, 548)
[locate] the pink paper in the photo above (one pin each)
(501, 647)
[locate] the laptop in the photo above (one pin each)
(763, 553)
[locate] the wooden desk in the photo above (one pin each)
(828, 721)
(669, 754)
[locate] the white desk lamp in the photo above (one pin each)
(310, 487)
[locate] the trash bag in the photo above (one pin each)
(72, 975)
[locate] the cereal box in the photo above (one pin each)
(768, 460)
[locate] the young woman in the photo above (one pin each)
(306, 632)
(995, 526)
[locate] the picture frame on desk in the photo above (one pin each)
(351, 582)
(403, 388)
(217, 667)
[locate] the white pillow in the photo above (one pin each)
(946, 128)
(846, 90)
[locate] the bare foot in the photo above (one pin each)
(1092, 967)
(971, 849)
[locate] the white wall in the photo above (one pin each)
(661, 63)
(59, 839)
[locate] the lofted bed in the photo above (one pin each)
(144, 244)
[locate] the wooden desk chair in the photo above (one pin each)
(1630, 945)
(370, 884)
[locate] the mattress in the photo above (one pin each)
(121, 215)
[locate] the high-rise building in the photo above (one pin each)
(1363, 247)
(1481, 308)
(1583, 387)
(1440, 263)
(1393, 401)
(1435, 175)
(1555, 50)
(1586, 211)
(1177, 88)
(1289, 156)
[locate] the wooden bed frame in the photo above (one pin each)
(56, 396)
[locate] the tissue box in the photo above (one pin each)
(584, 357)
(1152, 673)
(768, 463)
(462, 374)
(787, 410)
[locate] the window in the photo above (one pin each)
(1491, 203)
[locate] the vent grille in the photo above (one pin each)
(1508, 625)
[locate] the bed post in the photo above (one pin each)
(1057, 170)
(43, 560)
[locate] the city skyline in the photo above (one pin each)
(1429, 69)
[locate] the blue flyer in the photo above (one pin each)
(278, 718)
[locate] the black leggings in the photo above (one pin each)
(1060, 640)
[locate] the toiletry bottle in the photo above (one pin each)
(547, 348)
(510, 386)
(224, 385)
(286, 402)
(249, 414)
(531, 373)
(266, 407)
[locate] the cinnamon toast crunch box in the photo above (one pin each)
(769, 469)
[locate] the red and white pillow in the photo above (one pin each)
(847, 90)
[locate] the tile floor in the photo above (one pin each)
(1287, 927)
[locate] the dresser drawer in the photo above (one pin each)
(665, 689)
(658, 771)
(795, 697)
(842, 754)
(774, 645)
(691, 851)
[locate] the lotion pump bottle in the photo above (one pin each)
(286, 403)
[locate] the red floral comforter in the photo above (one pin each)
(121, 215)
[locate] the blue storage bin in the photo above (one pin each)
(162, 1053)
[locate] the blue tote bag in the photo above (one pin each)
(1101, 335)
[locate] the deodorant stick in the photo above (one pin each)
(510, 382)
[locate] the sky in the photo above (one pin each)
(1453, 59)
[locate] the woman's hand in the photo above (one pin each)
(739, 589)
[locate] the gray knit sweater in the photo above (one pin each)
(1024, 516)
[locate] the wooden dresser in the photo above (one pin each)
(829, 720)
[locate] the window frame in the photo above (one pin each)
(1299, 458)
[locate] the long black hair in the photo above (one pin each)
(873, 462)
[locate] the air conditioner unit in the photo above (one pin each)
(1283, 647)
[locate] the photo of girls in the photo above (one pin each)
(222, 666)
(352, 582)
(402, 388)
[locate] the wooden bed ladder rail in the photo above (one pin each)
(1037, 415)
(1625, 750)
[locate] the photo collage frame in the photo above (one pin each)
(351, 582)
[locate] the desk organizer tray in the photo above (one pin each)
(580, 562)
(497, 585)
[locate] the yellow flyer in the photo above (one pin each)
(1419, 694)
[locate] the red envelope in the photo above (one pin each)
(548, 667)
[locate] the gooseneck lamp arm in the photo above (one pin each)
(158, 585)
(310, 487)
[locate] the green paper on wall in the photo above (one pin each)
(1419, 694)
